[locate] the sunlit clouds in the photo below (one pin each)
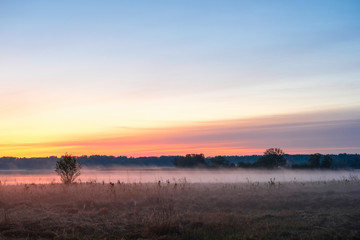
(305, 133)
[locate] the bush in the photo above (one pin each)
(68, 168)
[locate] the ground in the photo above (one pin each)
(182, 210)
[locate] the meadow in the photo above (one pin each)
(179, 209)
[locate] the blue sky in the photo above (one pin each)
(141, 64)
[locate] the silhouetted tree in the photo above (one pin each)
(327, 162)
(354, 162)
(220, 161)
(314, 160)
(273, 157)
(68, 168)
(190, 160)
(244, 165)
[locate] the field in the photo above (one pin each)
(182, 210)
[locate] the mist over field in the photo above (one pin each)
(154, 175)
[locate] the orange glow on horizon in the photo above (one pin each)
(150, 150)
(296, 134)
(130, 150)
(228, 137)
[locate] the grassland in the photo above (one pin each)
(182, 210)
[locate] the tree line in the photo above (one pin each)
(270, 159)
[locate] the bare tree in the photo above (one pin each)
(68, 168)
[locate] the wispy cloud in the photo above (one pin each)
(327, 132)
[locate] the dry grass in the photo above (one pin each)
(314, 210)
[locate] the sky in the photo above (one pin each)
(151, 78)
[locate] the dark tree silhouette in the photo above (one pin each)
(314, 160)
(190, 160)
(327, 162)
(273, 157)
(68, 168)
(244, 165)
(220, 161)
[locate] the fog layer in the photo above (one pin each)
(175, 175)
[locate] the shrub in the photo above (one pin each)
(68, 168)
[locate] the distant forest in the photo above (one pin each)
(194, 160)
